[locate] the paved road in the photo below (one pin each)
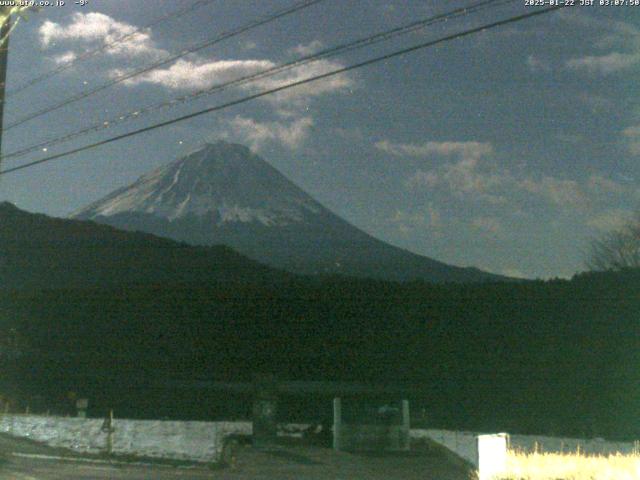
(22, 460)
(38, 469)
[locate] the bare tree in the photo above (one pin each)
(618, 249)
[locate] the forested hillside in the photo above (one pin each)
(544, 357)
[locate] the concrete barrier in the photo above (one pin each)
(193, 441)
(492, 455)
(204, 441)
(463, 444)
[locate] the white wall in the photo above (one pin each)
(203, 441)
(195, 441)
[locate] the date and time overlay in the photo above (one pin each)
(527, 3)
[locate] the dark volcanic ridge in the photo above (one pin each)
(37, 251)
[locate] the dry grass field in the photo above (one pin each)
(571, 466)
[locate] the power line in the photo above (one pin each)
(5, 30)
(345, 47)
(223, 36)
(338, 71)
(91, 53)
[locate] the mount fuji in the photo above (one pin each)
(225, 194)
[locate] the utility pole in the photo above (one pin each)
(4, 57)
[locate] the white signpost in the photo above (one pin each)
(492, 455)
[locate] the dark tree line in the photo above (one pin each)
(556, 357)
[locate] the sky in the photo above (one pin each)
(508, 150)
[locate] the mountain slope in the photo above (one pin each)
(224, 194)
(37, 251)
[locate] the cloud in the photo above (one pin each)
(296, 95)
(597, 183)
(559, 192)
(488, 225)
(632, 138)
(65, 58)
(469, 149)
(100, 28)
(571, 138)
(610, 220)
(473, 175)
(193, 75)
(597, 103)
(423, 179)
(615, 33)
(249, 45)
(605, 64)
(467, 175)
(536, 64)
(291, 135)
(632, 132)
(427, 218)
(307, 49)
(621, 38)
(203, 74)
(192, 72)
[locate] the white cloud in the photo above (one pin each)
(291, 135)
(560, 192)
(191, 72)
(428, 218)
(89, 26)
(468, 177)
(621, 38)
(249, 45)
(465, 176)
(473, 175)
(98, 27)
(307, 49)
(65, 58)
(202, 74)
(468, 149)
(616, 33)
(295, 95)
(189, 75)
(605, 64)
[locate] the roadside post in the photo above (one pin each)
(107, 427)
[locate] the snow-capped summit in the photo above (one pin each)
(225, 194)
(223, 181)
